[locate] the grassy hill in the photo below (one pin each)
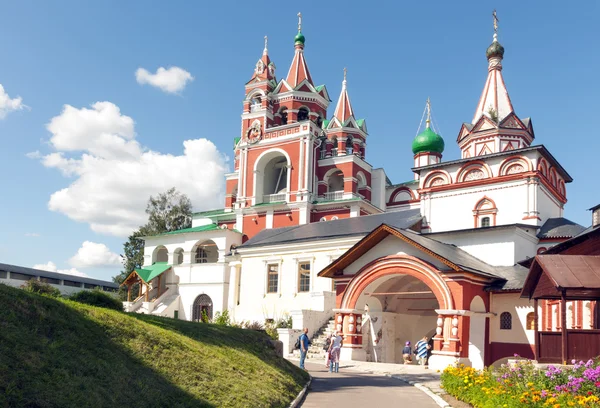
(58, 353)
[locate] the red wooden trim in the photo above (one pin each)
(563, 309)
(536, 350)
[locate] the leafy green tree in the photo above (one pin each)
(167, 212)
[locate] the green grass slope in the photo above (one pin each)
(58, 353)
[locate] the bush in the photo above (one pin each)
(97, 298)
(42, 288)
(523, 385)
(222, 319)
(254, 326)
(271, 326)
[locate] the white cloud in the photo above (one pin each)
(92, 254)
(51, 267)
(171, 80)
(110, 191)
(32, 234)
(8, 105)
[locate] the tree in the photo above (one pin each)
(167, 212)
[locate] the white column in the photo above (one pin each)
(269, 219)
(300, 166)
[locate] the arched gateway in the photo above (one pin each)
(391, 288)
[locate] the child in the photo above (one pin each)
(406, 353)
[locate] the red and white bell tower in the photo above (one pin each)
(293, 166)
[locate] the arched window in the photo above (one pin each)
(335, 182)
(255, 103)
(206, 252)
(505, 321)
(485, 222)
(484, 213)
(530, 321)
(334, 149)
(349, 145)
(284, 116)
(178, 256)
(161, 255)
(202, 309)
(302, 114)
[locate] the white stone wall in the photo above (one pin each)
(518, 308)
(548, 207)
(189, 293)
(256, 304)
(496, 247)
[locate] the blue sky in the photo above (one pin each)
(80, 53)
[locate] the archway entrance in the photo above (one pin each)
(398, 308)
(202, 308)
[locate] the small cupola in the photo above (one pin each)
(428, 145)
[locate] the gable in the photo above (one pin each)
(391, 245)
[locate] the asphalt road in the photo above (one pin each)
(354, 389)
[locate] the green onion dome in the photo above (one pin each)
(299, 38)
(428, 141)
(495, 50)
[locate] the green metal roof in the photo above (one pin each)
(299, 38)
(209, 213)
(325, 123)
(209, 227)
(360, 122)
(319, 87)
(236, 140)
(150, 272)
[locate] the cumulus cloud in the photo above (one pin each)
(51, 267)
(8, 105)
(171, 80)
(110, 190)
(92, 254)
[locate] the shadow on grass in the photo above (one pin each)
(250, 341)
(52, 355)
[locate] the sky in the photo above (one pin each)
(103, 104)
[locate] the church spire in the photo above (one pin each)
(343, 109)
(299, 70)
(494, 101)
(264, 69)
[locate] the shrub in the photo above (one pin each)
(222, 319)
(97, 298)
(42, 288)
(254, 326)
(271, 326)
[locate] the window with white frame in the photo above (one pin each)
(304, 277)
(272, 278)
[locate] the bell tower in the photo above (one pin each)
(273, 178)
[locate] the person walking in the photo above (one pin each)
(406, 353)
(304, 343)
(326, 349)
(334, 352)
(421, 350)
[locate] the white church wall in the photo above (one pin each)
(548, 207)
(518, 308)
(452, 210)
(189, 293)
(378, 195)
(257, 304)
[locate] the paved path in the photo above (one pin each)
(351, 388)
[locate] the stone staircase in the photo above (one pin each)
(315, 350)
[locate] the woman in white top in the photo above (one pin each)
(334, 352)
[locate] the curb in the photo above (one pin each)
(435, 397)
(301, 395)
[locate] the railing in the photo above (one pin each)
(273, 198)
(334, 195)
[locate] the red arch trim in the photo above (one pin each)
(396, 265)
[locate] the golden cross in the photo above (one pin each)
(495, 21)
(266, 41)
(299, 21)
(345, 72)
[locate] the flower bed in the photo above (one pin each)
(522, 385)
